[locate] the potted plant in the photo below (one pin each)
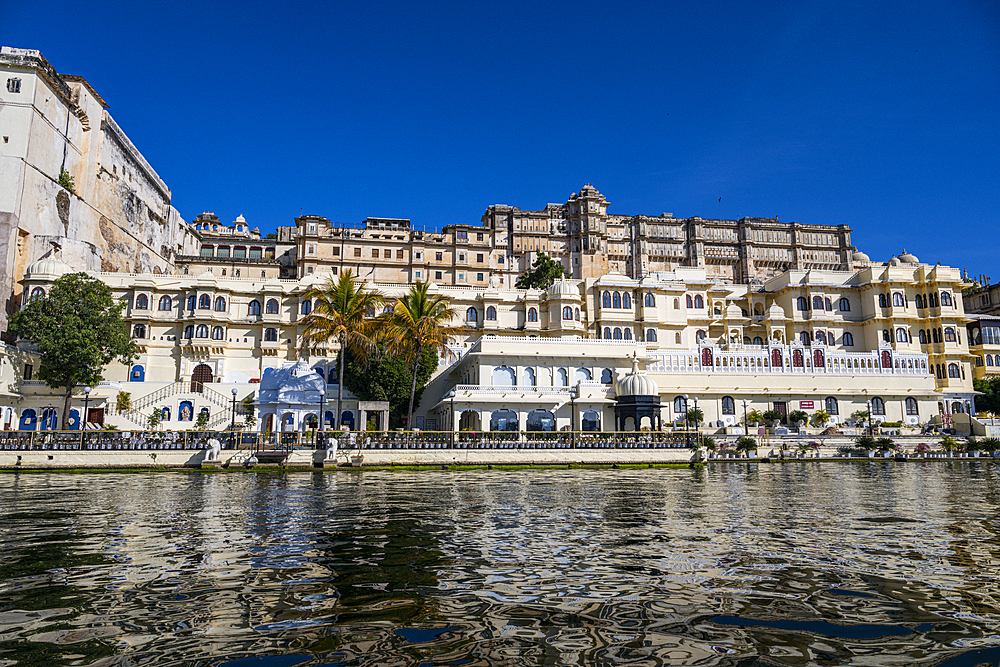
(709, 445)
(772, 417)
(886, 445)
(820, 418)
(989, 445)
(798, 418)
(745, 445)
(867, 444)
(755, 418)
(808, 448)
(922, 450)
(949, 444)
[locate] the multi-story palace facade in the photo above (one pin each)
(891, 335)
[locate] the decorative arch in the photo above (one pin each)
(165, 303)
(220, 304)
(532, 314)
(141, 302)
(204, 302)
(137, 374)
(503, 376)
(272, 306)
(253, 308)
(541, 420)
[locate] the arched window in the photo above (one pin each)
(934, 300)
(821, 337)
(576, 314)
(139, 331)
(690, 303)
(607, 377)
(628, 333)
(491, 313)
(757, 340)
(886, 336)
(949, 335)
(878, 407)
(532, 314)
(192, 301)
(607, 333)
(989, 360)
(650, 301)
(138, 374)
(271, 335)
(540, 420)
(165, 303)
(331, 376)
(700, 335)
(918, 301)
(934, 335)
(626, 300)
(503, 420)
(804, 337)
(817, 303)
(562, 377)
(253, 308)
(953, 371)
(728, 405)
(911, 406)
(828, 303)
(606, 299)
(217, 333)
(801, 303)
(901, 335)
(922, 335)
(650, 335)
(307, 307)
(387, 310)
(567, 313)
(189, 331)
(617, 333)
(882, 303)
(946, 298)
(471, 315)
(272, 306)
(503, 376)
(678, 405)
(204, 302)
(201, 331)
(848, 338)
(845, 305)
(698, 301)
(220, 304)
(616, 300)
(590, 421)
(529, 377)
(141, 302)
(582, 375)
(831, 406)
(370, 311)
(37, 293)
(897, 299)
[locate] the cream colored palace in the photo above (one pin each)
(734, 315)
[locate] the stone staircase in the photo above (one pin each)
(196, 390)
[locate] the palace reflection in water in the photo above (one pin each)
(795, 564)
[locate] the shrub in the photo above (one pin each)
(755, 417)
(772, 416)
(820, 418)
(891, 424)
(949, 443)
(885, 443)
(923, 448)
(796, 416)
(709, 444)
(66, 181)
(865, 442)
(988, 444)
(746, 444)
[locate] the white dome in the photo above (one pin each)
(47, 266)
(296, 384)
(636, 383)
(893, 261)
(859, 256)
(908, 258)
(561, 289)
(776, 312)
(734, 312)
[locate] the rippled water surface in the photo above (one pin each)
(804, 563)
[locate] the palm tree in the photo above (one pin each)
(420, 321)
(344, 312)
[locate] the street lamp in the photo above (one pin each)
(572, 414)
(746, 422)
(83, 422)
(696, 434)
(869, 404)
(232, 423)
(687, 423)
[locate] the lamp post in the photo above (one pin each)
(869, 404)
(696, 434)
(746, 422)
(687, 423)
(232, 423)
(572, 414)
(451, 418)
(83, 422)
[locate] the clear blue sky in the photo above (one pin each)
(882, 115)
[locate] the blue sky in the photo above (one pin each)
(880, 115)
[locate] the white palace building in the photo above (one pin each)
(890, 334)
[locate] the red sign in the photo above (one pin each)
(806, 405)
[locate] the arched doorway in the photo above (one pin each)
(202, 374)
(541, 420)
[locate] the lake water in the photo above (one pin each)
(804, 563)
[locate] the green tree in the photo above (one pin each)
(746, 444)
(272, 236)
(820, 418)
(77, 329)
(420, 321)
(755, 417)
(123, 402)
(66, 180)
(343, 313)
(990, 400)
(389, 379)
(695, 416)
(796, 416)
(201, 421)
(542, 273)
(153, 420)
(247, 408)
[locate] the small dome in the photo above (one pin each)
(893, 261)
(734, 312)
(776, 312)
(561, 289)
(859, 256)
(636, 383)
(48, 267)
(908, 258)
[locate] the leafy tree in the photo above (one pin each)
(860, 417)
(755, 417)
(201, 421)
(746, 444)
(271, 235)
(696, 416)
(420, 321)
(772, 416)
(389, 379)
(796, 416)
(249, 416)
(78, 330)
(990, 400)
(542, 274)
(343, 313)
(153, 420)
(123, 401)
(820, 418)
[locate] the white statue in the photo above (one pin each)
(331, 449)
(214, 448)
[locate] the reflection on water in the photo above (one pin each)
(796, 564)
